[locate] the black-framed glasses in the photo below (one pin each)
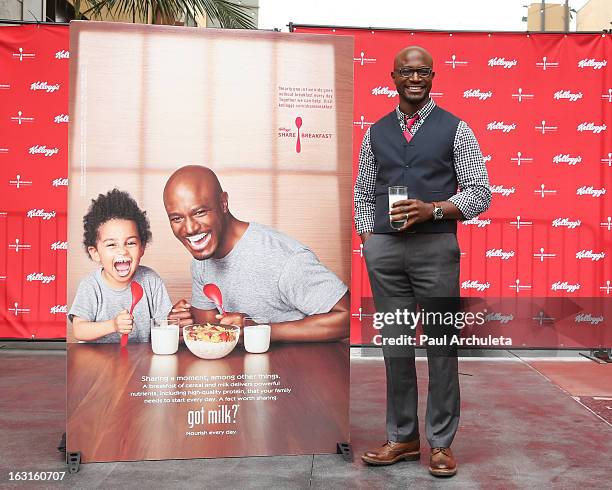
(423, 72)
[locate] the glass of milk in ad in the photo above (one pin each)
(397, 193)
(164, 335)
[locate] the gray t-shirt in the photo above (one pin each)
(268, 276)
(96, 301)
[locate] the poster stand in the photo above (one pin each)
(73, 460)
(601, 356)
(344, 448)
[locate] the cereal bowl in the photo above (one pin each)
(211, 340)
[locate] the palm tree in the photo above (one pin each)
(227, 13)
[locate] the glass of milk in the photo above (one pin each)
(164, 335)
(397, 193)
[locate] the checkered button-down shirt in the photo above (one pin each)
(474, 196)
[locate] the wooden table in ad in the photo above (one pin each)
(109, 419)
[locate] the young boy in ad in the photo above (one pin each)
(116, 233)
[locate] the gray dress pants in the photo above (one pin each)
(407, 270)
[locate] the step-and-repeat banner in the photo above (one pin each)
(538, 263)
(33, 180)
(540, 105)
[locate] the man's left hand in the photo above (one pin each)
(230, 318)
(413, 210)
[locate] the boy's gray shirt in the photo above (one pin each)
(96, 301)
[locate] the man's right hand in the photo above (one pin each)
(182, 312)
(365, 236)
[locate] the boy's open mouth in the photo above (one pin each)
(122, 265)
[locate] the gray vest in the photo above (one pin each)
(425, 166)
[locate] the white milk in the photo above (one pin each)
(164, 339)
(256, 338)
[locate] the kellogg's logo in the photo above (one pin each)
(478, 286)
(61, 118)
(592, 127)
(475, 93)
(565, 286)
(566, 94)
(504, 191)
(388, 91)
(590, 191)
(39, 276)
(59, 246)
(566, 222)
(57, 309)
(589, 254)
(60, 182)
(41, 213)
(62, 55)
(588, 318)
(501, 126)
(480, 223)
(566, 158)
(45, 86)
(503, 62)
(498, 317)
(498, 252)
(592, 63)
(43, 150)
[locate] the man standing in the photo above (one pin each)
(436, 156)
(261, 272)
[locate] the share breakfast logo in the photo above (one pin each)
(362, 123)
(17, 246)
(363, 60)
(543, 191)
(299, 134)
(541, 255)
(545, 64)
(18, 311)
(543, 128)
(518, 223)
(519, 158)
(520, 95)
(517, 287)
(454, 63)
(21, 119)
(21, 55)
(20, 183)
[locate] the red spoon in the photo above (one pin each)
(298, 143)
(137, 293)
(213, 293)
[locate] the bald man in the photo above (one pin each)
(411, 250)
(261, 273)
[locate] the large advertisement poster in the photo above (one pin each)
(207, 159)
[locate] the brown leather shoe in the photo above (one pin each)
(442, 462)
(392, 452)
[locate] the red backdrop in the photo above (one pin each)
(33, 170)
(541, 108)
(540, 105)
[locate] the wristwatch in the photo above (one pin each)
(438, 212)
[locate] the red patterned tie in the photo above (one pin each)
(409, 123)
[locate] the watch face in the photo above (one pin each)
(438, 213)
